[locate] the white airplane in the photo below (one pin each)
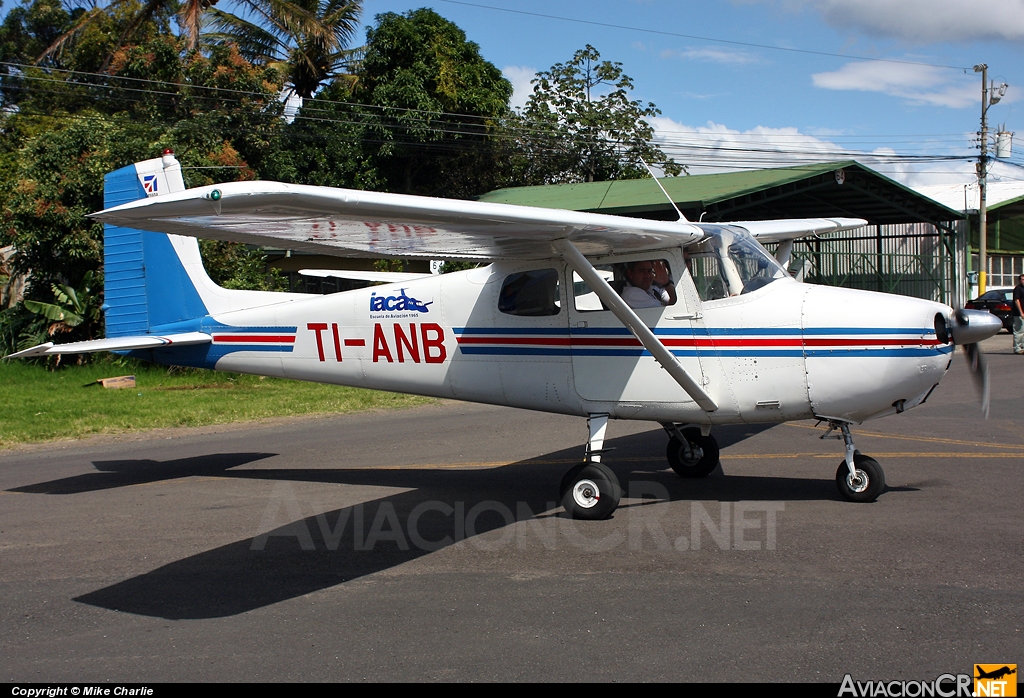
(729, 338)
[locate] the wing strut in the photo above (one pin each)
(629, 318)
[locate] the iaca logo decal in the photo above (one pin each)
(401, 302)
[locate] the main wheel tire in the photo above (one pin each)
(590, 491)
(868, 483)
(569, 478)
(693, 467)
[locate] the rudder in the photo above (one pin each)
(145, 282)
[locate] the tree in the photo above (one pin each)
(436, 102)
(573, 130)
(306, 40)
(294, 27)
(219, 113)
(33, 26)
(100, 31)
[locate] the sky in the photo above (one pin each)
(770, 83)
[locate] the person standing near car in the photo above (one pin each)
(1018, 316)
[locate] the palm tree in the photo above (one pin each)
(307, 40)
(189, 16)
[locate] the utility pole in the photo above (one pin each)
(989, 97)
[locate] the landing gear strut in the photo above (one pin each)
(691, 453)
(590, 490)
(859, 478)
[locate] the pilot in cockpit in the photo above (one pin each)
(649, 284)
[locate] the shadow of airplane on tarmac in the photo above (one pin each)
(310, 552)
(124, 473)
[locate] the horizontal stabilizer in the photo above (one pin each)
(114, 344)
(387, 277)
(790, 229)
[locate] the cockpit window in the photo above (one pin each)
(531, 293)
(729, 262)
(642, 284)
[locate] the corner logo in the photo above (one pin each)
(401, 302)
(995, 680)
(150, 184)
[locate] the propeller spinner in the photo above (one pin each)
(967, 328)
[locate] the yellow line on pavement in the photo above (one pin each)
(926, 439)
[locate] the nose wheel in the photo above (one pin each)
(865, 483)
(859, 478)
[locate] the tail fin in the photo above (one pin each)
(156, 292)
(153, 280)
(145, 281)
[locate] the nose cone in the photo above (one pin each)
(971, 326)
(870, 354)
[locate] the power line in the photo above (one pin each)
(361, 105)
(686, 145)
(701, 38)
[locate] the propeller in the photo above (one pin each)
(967, 328)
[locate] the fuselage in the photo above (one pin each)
(783, 351)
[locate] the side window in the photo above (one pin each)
(707, 277)
(584, 298)
(530, 293)
(645, 283)
(729, 262)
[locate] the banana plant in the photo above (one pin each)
(73, 306)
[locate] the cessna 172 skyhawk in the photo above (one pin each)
(550, 324)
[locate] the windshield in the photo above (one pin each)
(729, 262)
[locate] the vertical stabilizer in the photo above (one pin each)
(153, 280)
(145, 281)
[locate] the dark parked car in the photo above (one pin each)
(997, 301)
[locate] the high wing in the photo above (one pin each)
(349, 223)
(793, 228)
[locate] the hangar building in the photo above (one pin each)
(913, 244)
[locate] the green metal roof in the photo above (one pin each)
(814, 190)
(1015, 204)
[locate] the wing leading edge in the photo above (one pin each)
(792, 228)
(349, 223)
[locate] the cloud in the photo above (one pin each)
(728, 56)
(520, 77)
(917, 84)
(926, 20)
(715, 148)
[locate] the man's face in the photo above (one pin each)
(1020, 280)
(641, 275)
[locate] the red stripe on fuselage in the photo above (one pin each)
(703, 342)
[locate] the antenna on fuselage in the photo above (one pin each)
(681, 218)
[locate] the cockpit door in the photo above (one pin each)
(609, 363)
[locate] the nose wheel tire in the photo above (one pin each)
(703, 454)
(866, 484)
(590, 491)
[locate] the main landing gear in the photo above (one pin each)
(691, 452)
(859, 478)
(590, 490)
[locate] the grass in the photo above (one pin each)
(41, 405)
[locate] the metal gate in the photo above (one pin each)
(910, 259)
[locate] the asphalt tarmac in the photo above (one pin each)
(426, 545)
